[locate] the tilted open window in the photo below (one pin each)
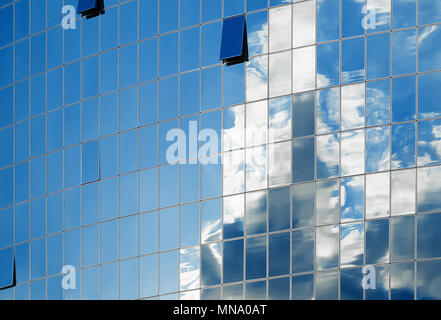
(7, 269)
(234, 46)
(90, 8)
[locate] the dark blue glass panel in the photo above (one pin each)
(38, 218)
(84, 5)
(7, 268)
(232, 37)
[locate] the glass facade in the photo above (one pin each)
(327, 161)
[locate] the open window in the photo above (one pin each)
(7, 269)
(234, 46)
(90, 8)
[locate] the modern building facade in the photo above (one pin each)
(324, 167)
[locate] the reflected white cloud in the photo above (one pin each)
(377, 195)
(352, 106)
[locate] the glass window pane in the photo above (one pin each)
(427, 281)
(377, 149)
(303, 160)
(403, 52)
(303, 23)
(303, 250)
(303, 69)
(328, 151)
(256, 258)
(352, 106)
(279, 163)
(169, 228)
(352, 69)
(279, 254)
(327, 201)
(233, 261)
(377, 195)
(257, 78)
(377, 241)
(256, 212)
(404, 13)
(428, 95)
(279, 74)
(326, 285)
(352, 15)
(402, 245)
(328, 110)
(352, 198)
(352, 245)
(256, 168)
(327, 247)
(280, 28)
(403, 146)
(303, 205)
(211, 261)
(233, 216)
(403, 192)
(211, 220)
(352, 152)
(279, 209)
(278, 289)
(378, 102)
(402, 281)
(303, 287)
(328, 64)
(303, 114)
(189, 268)
(403, 99)
(429, 235)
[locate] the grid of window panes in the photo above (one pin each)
(336, 132)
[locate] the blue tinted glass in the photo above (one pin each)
(378, 57)
(72, 44)
(72, 248)
(233, 7)
(7, 228)
(72, 162)
(38, 262)
(91, 161)
(169, 272)
(38, 61)
(91, 119)
(148, 57)
(279, 209)
(128, 151)
(91, 245)
(22, 262)
(84, 5)
(303, 287)
(148, 236)
(22, 182)
(72, 80)
(109, 199)
(303, 250)
(129, 27)
(109, 241)
(128, 112)
(429, 95)
(168, 184)
(169, 15)
(90, 203)
(211, 10)
(91, 77)
(148, 103)
(54, 14)
(403, 99)
(404, 52)
(149, 275)
(169, 229)
(279, 257)
(109, 22)
(303, 160)
(6, 65)
(109, 114)
(38, 94)
(351, 284)
(38, 177)
(257, 29)
(54, 48)
(232, 37)
(211, 88)
(404, 13)
(168, 59)
(55, 171)
(377, 241)
(190, 12)
(328, 66)
(109, 159)
(22, 222)
(21, 102)
(22, 60)
(168, 98)
(352, 69)
(378, 102)
(128, 279)
(234, 84)
(54, 89)
(148, 147)
(54, 130)
(403, 146)
(128, 65)
(189, 183)
(54, 254)
(190, 49)
(21, 19)
(256, 4)
(72, 208)
(38, 16)
(256, 258)
(189, 225)
(148, 25)
(190, 93)
(128, 194)
(429, 12)
(233, 261)
(55, 213)
(7, 145)
(352, 16)
(128, 241)
(211, 43)
(109, 71)
(22, 141)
